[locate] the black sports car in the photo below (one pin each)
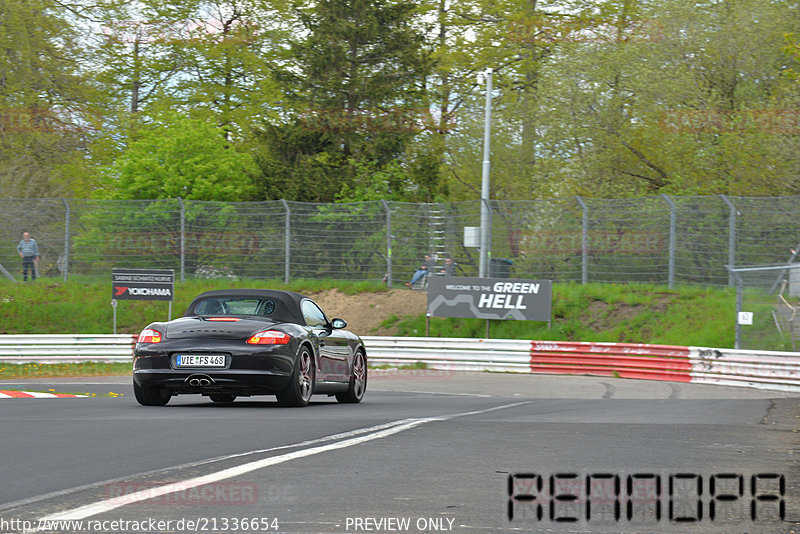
(244, 342)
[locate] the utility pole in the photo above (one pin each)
(483, 266)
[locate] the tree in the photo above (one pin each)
(638, 98)
(180, 157)
(46, 102)
(356, 86)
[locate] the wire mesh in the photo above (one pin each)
(683, 240)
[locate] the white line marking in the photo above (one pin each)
(389, 429)
(189, 465)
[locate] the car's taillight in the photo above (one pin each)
(269, 337)
(149, 335)
(223, 319)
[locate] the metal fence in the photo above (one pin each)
(661, 239)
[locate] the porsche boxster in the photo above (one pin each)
(243, 342)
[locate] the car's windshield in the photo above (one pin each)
(235, 306)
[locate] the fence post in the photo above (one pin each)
(731, 237)
(287, 244)
(739, 300)
(388, 243)
(584, 241)
(672, 230)
(66, 238)
(183, 238)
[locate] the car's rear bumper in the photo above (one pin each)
(237, 382)
(248, 370)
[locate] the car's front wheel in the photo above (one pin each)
(151, 395)
(301, 385)
(358, 381)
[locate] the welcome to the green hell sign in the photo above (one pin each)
(490, 298)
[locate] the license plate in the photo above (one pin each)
(200, 360)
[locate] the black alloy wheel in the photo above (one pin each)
(301, 386)
(358, 381)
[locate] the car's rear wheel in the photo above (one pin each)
(222, 398)
(358, 381)
(301, 386)
(151, 395)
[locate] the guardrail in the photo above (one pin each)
(66, 348)
(757, 369)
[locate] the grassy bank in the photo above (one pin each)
(614, 313)
(593, 312)
(85, 307)
(62, 370)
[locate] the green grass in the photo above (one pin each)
(637, 313)
(85, 307)
(640, 313)
(61, 370)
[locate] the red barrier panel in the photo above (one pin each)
(625, 360)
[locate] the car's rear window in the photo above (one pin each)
(235, 306)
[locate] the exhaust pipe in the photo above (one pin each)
(199, 381)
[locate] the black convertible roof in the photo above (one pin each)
(287, 303)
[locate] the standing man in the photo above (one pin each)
(29, 252)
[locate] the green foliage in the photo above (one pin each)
(377, 99)
(46, 101)
(181, 157)
(357, 84)
(631, 98)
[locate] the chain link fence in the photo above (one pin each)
(768, 307)
(662, 239)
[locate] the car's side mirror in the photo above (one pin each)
(338, 323)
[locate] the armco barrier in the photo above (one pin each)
(66, 348)
(758, 369)
(624, 360)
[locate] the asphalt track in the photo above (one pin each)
(425, 452)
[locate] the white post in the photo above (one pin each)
(485, 214)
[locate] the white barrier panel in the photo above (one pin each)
(757, 369)
(66, 348)
(450, 354)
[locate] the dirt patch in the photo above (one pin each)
(365, 312)
(601, 316)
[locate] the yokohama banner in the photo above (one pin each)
(142, 284)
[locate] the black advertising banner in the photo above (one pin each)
(142, 284)
(490, 298)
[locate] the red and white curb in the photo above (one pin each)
(13, 394)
